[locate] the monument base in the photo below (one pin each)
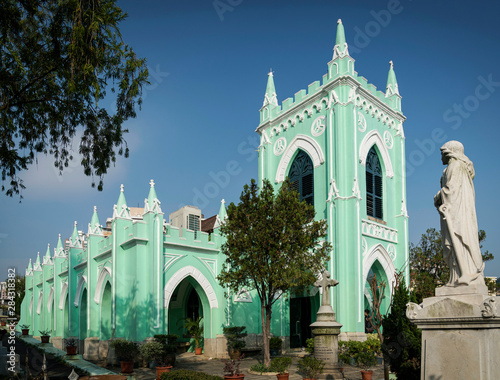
(326, 332)
(460, 335)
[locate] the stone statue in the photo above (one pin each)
(325, 283)
(456, 206)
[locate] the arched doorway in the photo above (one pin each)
(377, 271)
(303, 309)
(106, 313)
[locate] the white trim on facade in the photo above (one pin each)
(64, 292)
(374, 138)
(380, 254)
(307, 144)
(101, 281)
(180, 275)
(79, 288)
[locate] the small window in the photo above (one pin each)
(193, 222)
(374, 191)
(302, 177)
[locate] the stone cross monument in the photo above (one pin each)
(326, 330)
(461, 324)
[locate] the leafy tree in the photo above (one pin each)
(59, 59)
(272, 245)
(18, 290)
(427, 266)
(402, 339)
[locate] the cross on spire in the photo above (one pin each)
(152, 183)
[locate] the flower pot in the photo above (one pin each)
(45, 338)
(160, 370)
(282, 376)
(71, 350)
(234, 377)
(198, 350)
(25, 331)
(3, 323)
(127, 367)
(366, 375)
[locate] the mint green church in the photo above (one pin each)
(341, 143)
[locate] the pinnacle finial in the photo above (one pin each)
(95, 208)
(122, 187)
(392, 64)
(59, 236)
(339, 21)
(152, 183)
(75, 223)
(223, 201)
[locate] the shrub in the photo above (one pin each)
(402, 339)
(187, 374)
(234, 336)
(280, 365)
(275, 343)
(310, 367)
(310, 346)
(125, 350)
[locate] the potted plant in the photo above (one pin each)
(275, 345)
(281, 366)
(310, 367)
(366, 359)
(169, 342)
(25, 329)
(155, 351)
(234, 336)
(44, 335)
(3, 323)
(126, 352)
(70, 344)
(232, 369)
(195, 329)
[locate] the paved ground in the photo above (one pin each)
(215, 366)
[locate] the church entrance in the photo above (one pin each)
(300, 321)
(185, 304)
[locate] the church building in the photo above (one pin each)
(341, 143)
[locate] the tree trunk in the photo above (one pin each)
(266, 332)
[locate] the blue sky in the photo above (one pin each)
(209, 62)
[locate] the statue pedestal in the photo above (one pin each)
(460, 335)
(326, 332)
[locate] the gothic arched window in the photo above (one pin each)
(374, 189)
(301, 177)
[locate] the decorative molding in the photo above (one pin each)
(380, 254)
(307, 144)
(361, 122)
(31, 303)
(51, 298)
(82, 281)
(243, 296)
(412, 310)
(391, 250)
(39, 304)
(211, 264)
(340, 54)
(388, 139)
(489, 309)
(169, 259)
(318, 126)
(64, 291)
(279, 146)
(189, 271)
(379, 231)
(364, 246)
(104, 275)
(375, 112)
(374, 138)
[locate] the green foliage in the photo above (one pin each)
(45, 332)
(169, 342)
(281, 364)
(362, 353)
(402, 339)
(24, 326)
(153, 351)
(125, 350)
(427, 266)
(186, 374)
(272, 246)
(61, 59)
(195, 329)
(491, 284)
(310, 367)
(70, 342)
(275, 343)
(234, 337)
(310, 346)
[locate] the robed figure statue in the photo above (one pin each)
(456, 206)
